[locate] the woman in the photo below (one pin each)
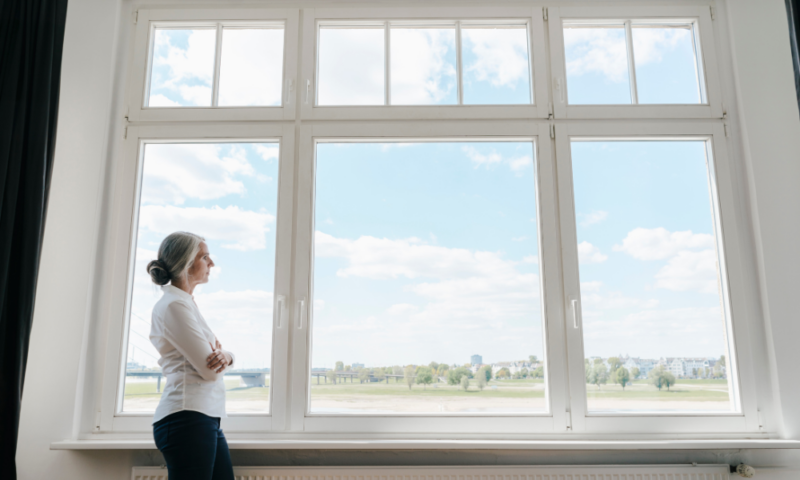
(186, 425)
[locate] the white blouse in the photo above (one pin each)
(184, 340)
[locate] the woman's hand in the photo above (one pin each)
(218, 360)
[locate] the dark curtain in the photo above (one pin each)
(793, 11)
(31, 40)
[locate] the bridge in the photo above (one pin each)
(250, 378)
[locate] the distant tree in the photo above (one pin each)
(487, 373)
(348, 368)
(503, 373)
(397, 370)
(661, 378)
(331, 375)
(623, 376)
(434, 366)
(598, 375)
(339, 366)
(613, 364)
(533, 358)
(379, 373)
(424, 376)
(722, 360)
(443, 367)
(363, 375)
(694, 372)
(465, 383)
(717, 370)
(517, 375)
(539, 372)
(408, 374)
(635, 372)
(669, 379)
(525, 373)
(481, 381)
(598, 360)
(455, 375)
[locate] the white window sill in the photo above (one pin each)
(425, 444)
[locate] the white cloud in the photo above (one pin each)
(597, 50)
(649, 44)
(401, 308)
(463, 287)
(252, 67)
(161, 101)
(174, 172)
(519, 239)
(690, 271)
(243, 229)
(588, 253)
(591, 286)
(319, 304)
(501, 55)
(421, 73)
(597, 301)
(351, 70)
(592, 218)
(660, 243)
(268, 152)
(530, 259)
(479, 158)
(193, 64)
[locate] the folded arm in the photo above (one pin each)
(184, 333)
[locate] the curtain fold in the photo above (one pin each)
(793, 12)
(31, 41)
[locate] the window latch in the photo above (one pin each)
(574, 304)
(281, 309)
(301, 313)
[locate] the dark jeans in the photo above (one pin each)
(193, 446)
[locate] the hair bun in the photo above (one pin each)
(158, 272)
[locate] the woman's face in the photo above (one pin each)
(201, 267)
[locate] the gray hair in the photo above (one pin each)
(175, 256)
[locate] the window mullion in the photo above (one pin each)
(386, 71)
(217, 62)
(459, 72)
(631, 63)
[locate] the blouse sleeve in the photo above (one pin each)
(184, 333)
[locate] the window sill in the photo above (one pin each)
(420, 444)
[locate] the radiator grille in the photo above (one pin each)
(600, 472)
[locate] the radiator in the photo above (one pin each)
(597, 472)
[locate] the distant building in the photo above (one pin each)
(476, 359)
(357, 365)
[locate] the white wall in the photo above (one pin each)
(90, 117)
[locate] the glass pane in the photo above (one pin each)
(666, 67)
(597, 65)
(183, 68)
(426, 279)
(251, 67)
(228, 194)
(351, 66)
(651, 298)
(423, 66)
(496, 68)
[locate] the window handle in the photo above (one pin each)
(574, 304)
(308, 90)
(302, 313)
(560, 88)
(291, 92)
(281, 309)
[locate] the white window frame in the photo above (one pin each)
(124, 230)
(546, 120)
(140, 68)
(550, 421)
(699, 17)
(745, 417)
(532, 16)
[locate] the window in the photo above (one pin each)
(439, 221)
(429, 250)
(428, 63)
(227, 191)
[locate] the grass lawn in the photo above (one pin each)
(495, 389)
